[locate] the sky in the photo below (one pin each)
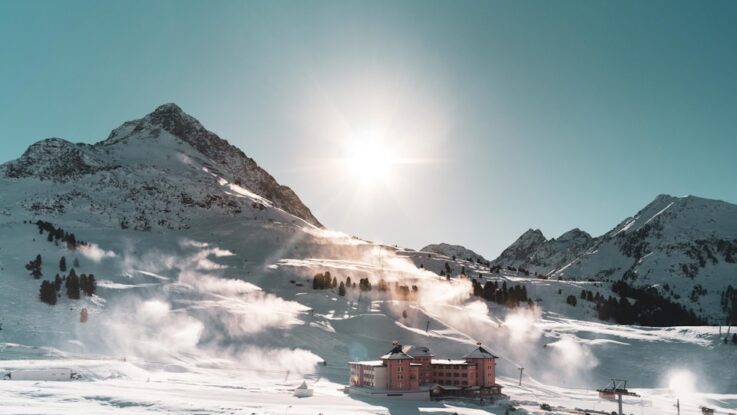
(488, 117)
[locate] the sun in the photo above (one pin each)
(369, 159)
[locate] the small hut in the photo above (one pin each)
(303, 391)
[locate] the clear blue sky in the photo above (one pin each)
(540, 114)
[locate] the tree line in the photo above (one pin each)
(57, 235)
(510, 297)
(648, 309)
(324, 281)
(74, 285)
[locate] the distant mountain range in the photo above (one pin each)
(685, 247)
(165, 170)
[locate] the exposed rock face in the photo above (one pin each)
(57, 160)
(522, 249)
(164, 163)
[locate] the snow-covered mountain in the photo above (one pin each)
(686, 247)
(159, 171)
(205, 272)
(454, 251)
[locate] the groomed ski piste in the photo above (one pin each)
(222, 318)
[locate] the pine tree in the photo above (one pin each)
(341, 289)
(57, 283)
(47, 293)
(36, 273)
(91, 285)
(72, 244)
(63, 264)
(83, 283)
(72, 285)
(76, 263)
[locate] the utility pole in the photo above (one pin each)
(520, 375)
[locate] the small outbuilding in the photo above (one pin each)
(303, 391)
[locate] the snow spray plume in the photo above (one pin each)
(198, 317)
(518, 337)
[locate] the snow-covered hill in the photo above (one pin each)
(685, 247)
(454, 251)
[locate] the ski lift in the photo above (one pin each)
(614, 392)
(616, 388)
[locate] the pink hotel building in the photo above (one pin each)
(412, 372)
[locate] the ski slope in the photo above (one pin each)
(211, 320)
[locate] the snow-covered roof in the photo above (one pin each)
(417, 351)
(396, 353)
(368, 363)
(396, 356)
(480, 353)
(448, 362)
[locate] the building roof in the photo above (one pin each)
(448, 362)
(396, 353)
(368, 363)
(417, 351)
(480, 353)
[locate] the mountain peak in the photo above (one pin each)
(574, 233)
(534, 234)
(453, 250)
(172, 118)
(169, 107)
(158, 142)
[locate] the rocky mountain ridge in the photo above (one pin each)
(684, 247)
(156, 171)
